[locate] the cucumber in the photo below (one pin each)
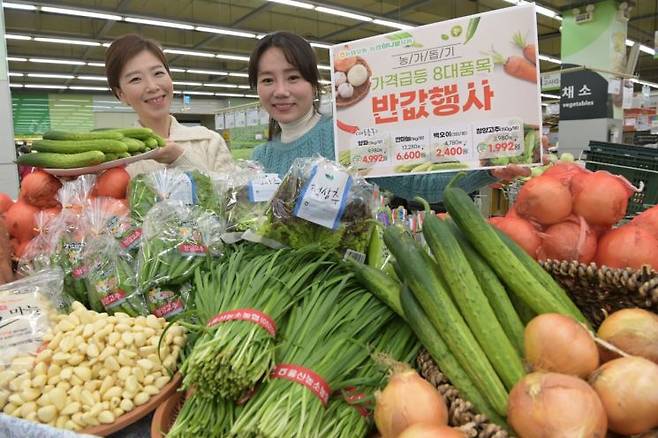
(50, 160)
(444, 316)
(379, 284)
(471, 300)
(76, 136)
(111, 157)
(75, 147)
(437, 348)
(503, 261)
(161, 141)
(124, 155)
(139, 133)
(525, 313)
(151, 142)
(134, 145)
(494, 290)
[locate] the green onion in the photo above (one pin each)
(203, 417)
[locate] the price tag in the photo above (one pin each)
(324, 196)
(451, 144)
(501, 138)
(264, 187)
(409, 147)
(370, 148)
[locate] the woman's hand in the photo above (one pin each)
(168, 153)
(510, 172)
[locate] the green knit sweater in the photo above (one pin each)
(277, 157)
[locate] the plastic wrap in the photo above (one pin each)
(39, 253)
(319, 202)
(26, 310)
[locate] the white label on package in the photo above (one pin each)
(451, 143)
(23, 322)
(499, 138)
(409, 147)
(370, 148)
(264, 187)
(324, 196)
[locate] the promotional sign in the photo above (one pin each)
(240, 119)
(459, 94)
(219, 121)
(584, 95)
(550, 81)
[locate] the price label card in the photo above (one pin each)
(324, 196)
(409, 147)
(264, 187)
(501, 138)
(451, 144)
(370, 149)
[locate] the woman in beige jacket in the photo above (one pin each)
(138, 74)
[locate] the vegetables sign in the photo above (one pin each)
(459, 94)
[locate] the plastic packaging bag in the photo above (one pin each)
(318, 202)
(26, 310)
(167, 301)
(177, 239)
(39, 252)
(189, 188)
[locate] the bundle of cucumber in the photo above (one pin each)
(68, 150)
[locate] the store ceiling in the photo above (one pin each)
(222, 53)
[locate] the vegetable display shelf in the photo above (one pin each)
(638, 164)
(596, 291)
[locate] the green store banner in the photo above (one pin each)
(31, 113)
(37, 113)
(458, 94)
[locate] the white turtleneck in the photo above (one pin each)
(294, 130)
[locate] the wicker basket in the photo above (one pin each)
(597, 292)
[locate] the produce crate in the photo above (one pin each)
(638, 164)
(596, 291)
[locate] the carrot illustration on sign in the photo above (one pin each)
(529, 50)
(516, 66)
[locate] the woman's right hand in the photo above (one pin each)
(168, 153)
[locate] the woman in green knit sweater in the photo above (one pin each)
(283, 69)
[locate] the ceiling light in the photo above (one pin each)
(550, 96)
(321, 45)
(641, 82)
(67, 41)
(96, 64)
(13, 36)
(22, 6)
(294, 3)
(252, 96)
(81, 13)
(220, 85)
(540, 9)
(106, 44)
(324, 67)
(16, 59)
(647, 49)
(201, 93)
(224, 31)
(80, 87)
(191, 84)
(232, 57)
(324, 81)
(239, 75)
(189, 53)
(393, 24)
(177, 70)
(550, 59)
(49, 75)
(92, 78)
(245, 87)
(54, 87)
(208, 72)
(160, 23)
(56, 61)
(11, 74)
(342, 13)
(229, 94)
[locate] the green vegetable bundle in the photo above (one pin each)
(257, 289)
(190, 188)
(282, 225)
(203, 417)
(177, 238)
(324, 343)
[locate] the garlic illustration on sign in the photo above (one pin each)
(345, 90)
(339, 78)
(357, 75)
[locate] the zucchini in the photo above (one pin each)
(139, 133)
(77, 136)
(134, 145)
(75, 147)
(494, 290)
(50, 160)
(437, 348)
(470, 299)
(503, 261)
(151, 142)
(541, 275)
(444, 316)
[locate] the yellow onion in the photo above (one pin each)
(634, 331)
(628, 388)
(406, 400)
(557, 406)
(557, 343)
(423, 430)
